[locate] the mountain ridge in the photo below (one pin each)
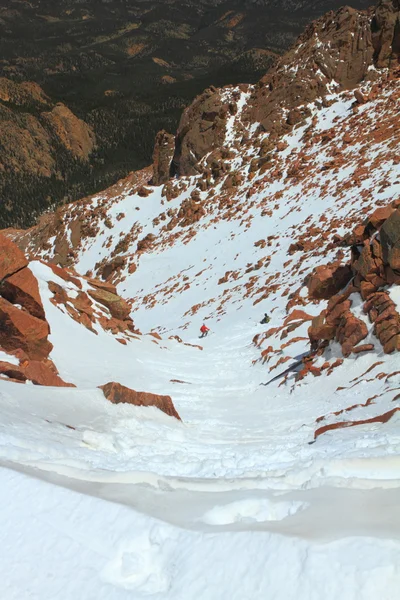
(126, 70)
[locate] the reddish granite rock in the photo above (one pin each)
(163, 153)
(12, 259)
(117, 393)
(43, 373)
(22, 288)
(118, 308)
(19, 329)
(12, 371)
(320, 330)
(327, 280)
(380, 215)
(363, 348)
(390, 234)
(350, 332)
(297, 315)
(392, 345)
(333, 316)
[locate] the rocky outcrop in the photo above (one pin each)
(24, 330)
(164, 149)
(336, 48)
(22, 319)
(22, 288)
(375, 247)
(117, 393)
(327, 280)
(12, 259)
(201, 129)
(385, 28)
(340, 49)
(38, 372)
(21, 330)
(118, 307)
(89, 308)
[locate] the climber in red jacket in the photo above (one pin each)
(204, 330)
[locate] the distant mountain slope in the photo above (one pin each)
(128, 69)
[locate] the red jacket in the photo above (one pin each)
(204, 328)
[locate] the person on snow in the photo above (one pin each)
(204, 330)
(265, 320)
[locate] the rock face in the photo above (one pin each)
(12, 259)
(21, 330)
(386, 33)
(22, 288)
(23, 327)
(327, 280)
(164, 149)
(201, 129)
(390, 240)
(38, 372)
(117, 393)
(75, 135)
(339, 49)
(118, 308)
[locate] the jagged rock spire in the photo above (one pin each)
(385, 28)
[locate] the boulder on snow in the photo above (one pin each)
(12, 259)
(117, 393)
(118, 308)
(19, 329)
(11, 371)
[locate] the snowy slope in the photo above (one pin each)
(234, 501)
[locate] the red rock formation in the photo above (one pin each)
(22, 288)
(39, 372)
(19, 329)
(11, 258)
(374, 247)
(327, 280)
(339, 47)
(163, 153)
(201, 129)
(386, 33)
(118, 308)
(117, 393)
